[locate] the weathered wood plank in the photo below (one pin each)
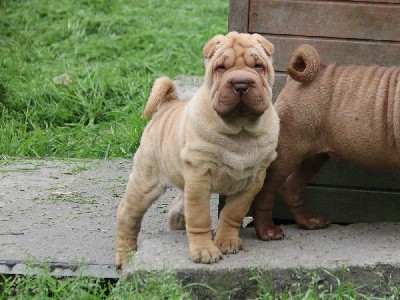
(238, 19)
(340, 51)
(353, 20)
(348, 205)
(280, 80)
(375, 1)
(344, 174)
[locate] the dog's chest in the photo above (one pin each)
(235, 171)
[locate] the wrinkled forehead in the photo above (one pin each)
(241, 50)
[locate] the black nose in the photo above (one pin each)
(240, 88)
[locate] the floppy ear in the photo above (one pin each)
(212, 46)
(267, 45)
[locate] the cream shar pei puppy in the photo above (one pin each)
(345, 112)
(220, 141)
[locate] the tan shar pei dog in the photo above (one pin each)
(220, 141)
(345, 112)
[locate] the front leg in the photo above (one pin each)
(231, 217)
(197, 192)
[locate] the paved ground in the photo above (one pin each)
(62, 212)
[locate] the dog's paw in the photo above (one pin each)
(206, 254)
(125, 250)
(122, 259)
(271, 232)
(176, 221)
(312, 223)
(176, 217)
(229, 245)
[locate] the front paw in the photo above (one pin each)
(228, 245)
(205, 253)
(270, 232)
(313, 222)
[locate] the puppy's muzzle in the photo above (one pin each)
(241, 94)
(241, 82)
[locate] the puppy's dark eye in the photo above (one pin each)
(221, 69)
(259, 67)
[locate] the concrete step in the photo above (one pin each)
(62, 212)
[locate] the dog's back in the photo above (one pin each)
(346, 112)
(355, 109)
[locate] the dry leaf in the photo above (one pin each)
(63, 79)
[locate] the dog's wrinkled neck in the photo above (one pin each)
(240, 124)
(241, 111)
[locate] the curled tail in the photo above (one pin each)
(305, 64)
(163, 90)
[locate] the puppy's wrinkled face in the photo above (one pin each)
(239, 75)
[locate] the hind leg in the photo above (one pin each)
(176, 213)
(293, 189)
(289, 156)
(263, 205)
(142, 190)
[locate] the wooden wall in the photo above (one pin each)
(347, 32)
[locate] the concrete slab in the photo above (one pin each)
(366, 254)
(62, 212)
(362, 245)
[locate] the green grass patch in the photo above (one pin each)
(112, 51)
(319, 284)
(72, 197)
(141, 286)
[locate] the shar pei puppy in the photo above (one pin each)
(220, 141)
(328, 111)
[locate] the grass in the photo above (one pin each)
(112, 50)
(162, 286)
(320, 284)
